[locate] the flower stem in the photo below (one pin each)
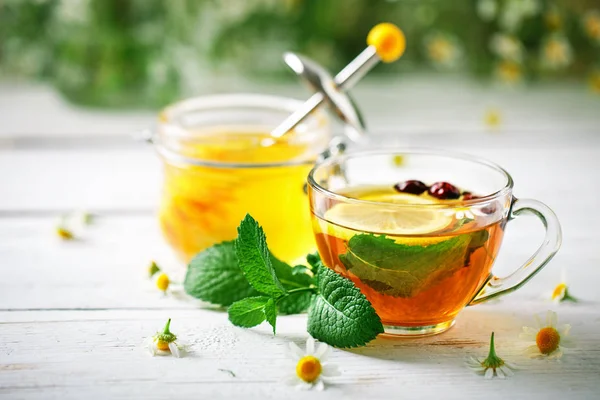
(167, 326)
(492, 352)
(299, 290)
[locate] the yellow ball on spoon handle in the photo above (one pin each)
(388, 40)
(386, 43)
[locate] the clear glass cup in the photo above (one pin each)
(220, 163)
(419, 259)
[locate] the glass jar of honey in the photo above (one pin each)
(221, 163)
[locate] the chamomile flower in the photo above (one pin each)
(509, 72)
(311, 369)
(443, 50)
(591, 25)
(507, 47)
(398, 160)
(492, 118)
(64, 233)
(549, 338)
(556, 52)
(487, 9)
(492, 365)
(164, 343)
(561, 292)
(553, 19)
(464, 213)
(594, 81)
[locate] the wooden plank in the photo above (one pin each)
(98, 355)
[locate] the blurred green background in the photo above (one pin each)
(146, 53)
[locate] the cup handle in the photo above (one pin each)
(497, 286)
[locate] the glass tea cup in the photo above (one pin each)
(420, 258)
(221, 163)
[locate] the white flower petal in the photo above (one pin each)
(527, 336)
(556, 354)
(319, 385)
(506, 370)
(295, 351)
(551, 319)
(500, 373)
(323, 351)
(293, 380)
(175, 350)
(151, 348)
(530, 331)
(564, 330)
(511, 365)
(538, 321)
(310, 346)
(330, 370)
(474, 363)
(489, 373)
(304, 386)
(532, 351)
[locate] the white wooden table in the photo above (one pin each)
(73, 314)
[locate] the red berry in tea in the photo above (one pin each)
(469, 196)
(444, 191)
(411, 186)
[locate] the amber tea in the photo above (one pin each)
(418, 267)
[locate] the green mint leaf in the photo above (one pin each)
(271, 313)
(255, 259)
(214, 276)
(249, 312)
(403, 270)
(293, 278)
(313, 259)
(300, 269)
(340, 314)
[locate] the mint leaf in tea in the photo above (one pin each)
(403, 270)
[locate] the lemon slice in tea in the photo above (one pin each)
(410, 219)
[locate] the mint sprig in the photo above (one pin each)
(215, 276)
(244, 275)
(255, 259)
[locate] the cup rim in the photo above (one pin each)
(312, 183)
(220, 101)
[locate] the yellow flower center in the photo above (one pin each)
(559, 291)
(162, 282)
(308, 368)
(592, 26)
(440, 50)
(595, 82)
(492, 118)
(162, 345)
(547, 340)
(556, 51)
(509, 71)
